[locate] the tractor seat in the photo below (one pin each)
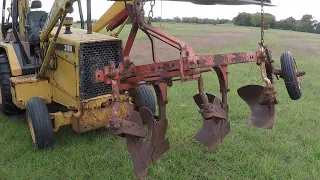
(33, 22)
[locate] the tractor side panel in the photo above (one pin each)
(15, 66)
(25, 87)
(64, 80)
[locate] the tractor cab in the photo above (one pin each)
(22, 27)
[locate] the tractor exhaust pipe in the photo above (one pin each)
(89, 20)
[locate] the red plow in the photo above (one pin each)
(145, 133)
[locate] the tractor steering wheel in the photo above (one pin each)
(42, 19)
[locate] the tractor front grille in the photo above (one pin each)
(94, 57)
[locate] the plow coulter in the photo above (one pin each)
(145, 132)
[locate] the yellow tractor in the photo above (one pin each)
(46, 68)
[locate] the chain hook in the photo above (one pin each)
(150, 15)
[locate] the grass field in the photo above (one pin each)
(290, 151)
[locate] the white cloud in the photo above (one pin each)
(284, 9)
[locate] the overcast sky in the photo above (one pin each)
(284, 9)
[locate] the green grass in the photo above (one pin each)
(290, 151)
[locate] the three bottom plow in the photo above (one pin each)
(145, 133)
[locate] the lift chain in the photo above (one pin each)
(262, 23)
(150, 15)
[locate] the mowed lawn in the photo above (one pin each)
(289, 151)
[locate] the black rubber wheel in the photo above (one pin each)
(7, 106)
(288, 74)
(143, 97)
(40, 125)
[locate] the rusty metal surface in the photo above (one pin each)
(213, 109)
(213, 132)
(262, 116)
(24, 79)
(96, 112)
(117, 21)
(130, 127)
(215, 125)
(141, 149)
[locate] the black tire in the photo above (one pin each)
(288, 74)
(7, 106)
(40, 125)
(143, 97)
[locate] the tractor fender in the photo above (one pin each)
(14, 64)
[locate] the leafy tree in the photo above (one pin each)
(317, 27)
(287, 24)
(269, 20)
(177, 19)
(223, 21)
(307, 23)
(243, 19)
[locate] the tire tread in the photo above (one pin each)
(42, 125)
(289, 76)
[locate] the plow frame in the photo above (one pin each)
(161, 75)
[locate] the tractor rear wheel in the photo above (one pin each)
(40, 125)
(6, 105)
(143, 97)
(289, 75)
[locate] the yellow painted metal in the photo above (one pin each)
(13, 59)
(96, 113)
(25, 87)
(79, 36)
(65, 80)
(47, 58)
(68, 21)
(60, 119)
(23, 10)
(62, 85)
(115, 9)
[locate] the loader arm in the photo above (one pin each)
(111, 14)
(59, 9)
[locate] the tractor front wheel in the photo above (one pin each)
(289, 75)
(6, 105)
(40, 125)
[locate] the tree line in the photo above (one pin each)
(192, 20)
(306, 24)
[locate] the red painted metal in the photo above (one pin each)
(189, 66)
(118, 20)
